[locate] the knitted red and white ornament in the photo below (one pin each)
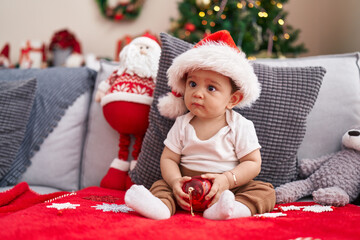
(32, 54)
(217, 52)
(125, 98)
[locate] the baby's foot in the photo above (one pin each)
(143, 202)
(223, 208)
(227, 208)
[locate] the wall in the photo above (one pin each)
(328, 26)
(40, 19)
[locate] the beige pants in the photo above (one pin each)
(258, 196)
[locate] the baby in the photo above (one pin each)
(211, 140)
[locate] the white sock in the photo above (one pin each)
(143, 202)
(227, 208)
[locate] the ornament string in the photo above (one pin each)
(191, 189)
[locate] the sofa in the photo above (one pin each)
(56, 146)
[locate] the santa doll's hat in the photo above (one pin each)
(5, 51)
(216, 52)
(148, 39)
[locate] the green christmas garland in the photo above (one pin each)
(120, 9)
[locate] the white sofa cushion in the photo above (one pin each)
(57, 163)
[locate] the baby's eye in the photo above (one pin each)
(192, 84)
(211, 88)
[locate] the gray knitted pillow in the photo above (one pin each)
(279, 116)
(16, 101)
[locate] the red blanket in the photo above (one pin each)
(96, 213)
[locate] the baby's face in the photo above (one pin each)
(207, 93)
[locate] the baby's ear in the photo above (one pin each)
(235, 98)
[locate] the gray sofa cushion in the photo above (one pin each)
(16, 101)
(57, 89)
(279, 115)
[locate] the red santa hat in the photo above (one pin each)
(5, 51)
(217, 52)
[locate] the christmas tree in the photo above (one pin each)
(257, 27)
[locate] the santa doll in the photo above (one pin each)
(125, 97)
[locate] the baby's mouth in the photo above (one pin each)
(196, 104)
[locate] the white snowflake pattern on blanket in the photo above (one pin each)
(105, 207)
(60, 206)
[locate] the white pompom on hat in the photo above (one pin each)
(217, 52)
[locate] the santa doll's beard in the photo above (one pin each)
(141, 65)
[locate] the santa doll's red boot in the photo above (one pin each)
(128, 182)
(117, 175)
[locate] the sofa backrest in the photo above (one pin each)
(78, 152)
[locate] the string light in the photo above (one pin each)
(251, 5)
(258, 3)
(275, 38)
(210, 12)
(212, 24)
(286, 36)
(201, 14)
(263, 14)
(203, 22)
(239, 5)
(216, 8)
(223, 16)
(281, 22)
(279, 5)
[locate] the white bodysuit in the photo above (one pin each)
(218, 154)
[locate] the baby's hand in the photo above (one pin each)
(179, 194)
(220, 183)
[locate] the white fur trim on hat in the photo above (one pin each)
(220, 58)
(171, 106)
(127, 97)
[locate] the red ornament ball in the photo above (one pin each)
(198, 187)
(190, 27)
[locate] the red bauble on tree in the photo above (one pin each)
(190, 27)
(198, 188)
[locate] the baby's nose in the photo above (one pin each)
(198, 94)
